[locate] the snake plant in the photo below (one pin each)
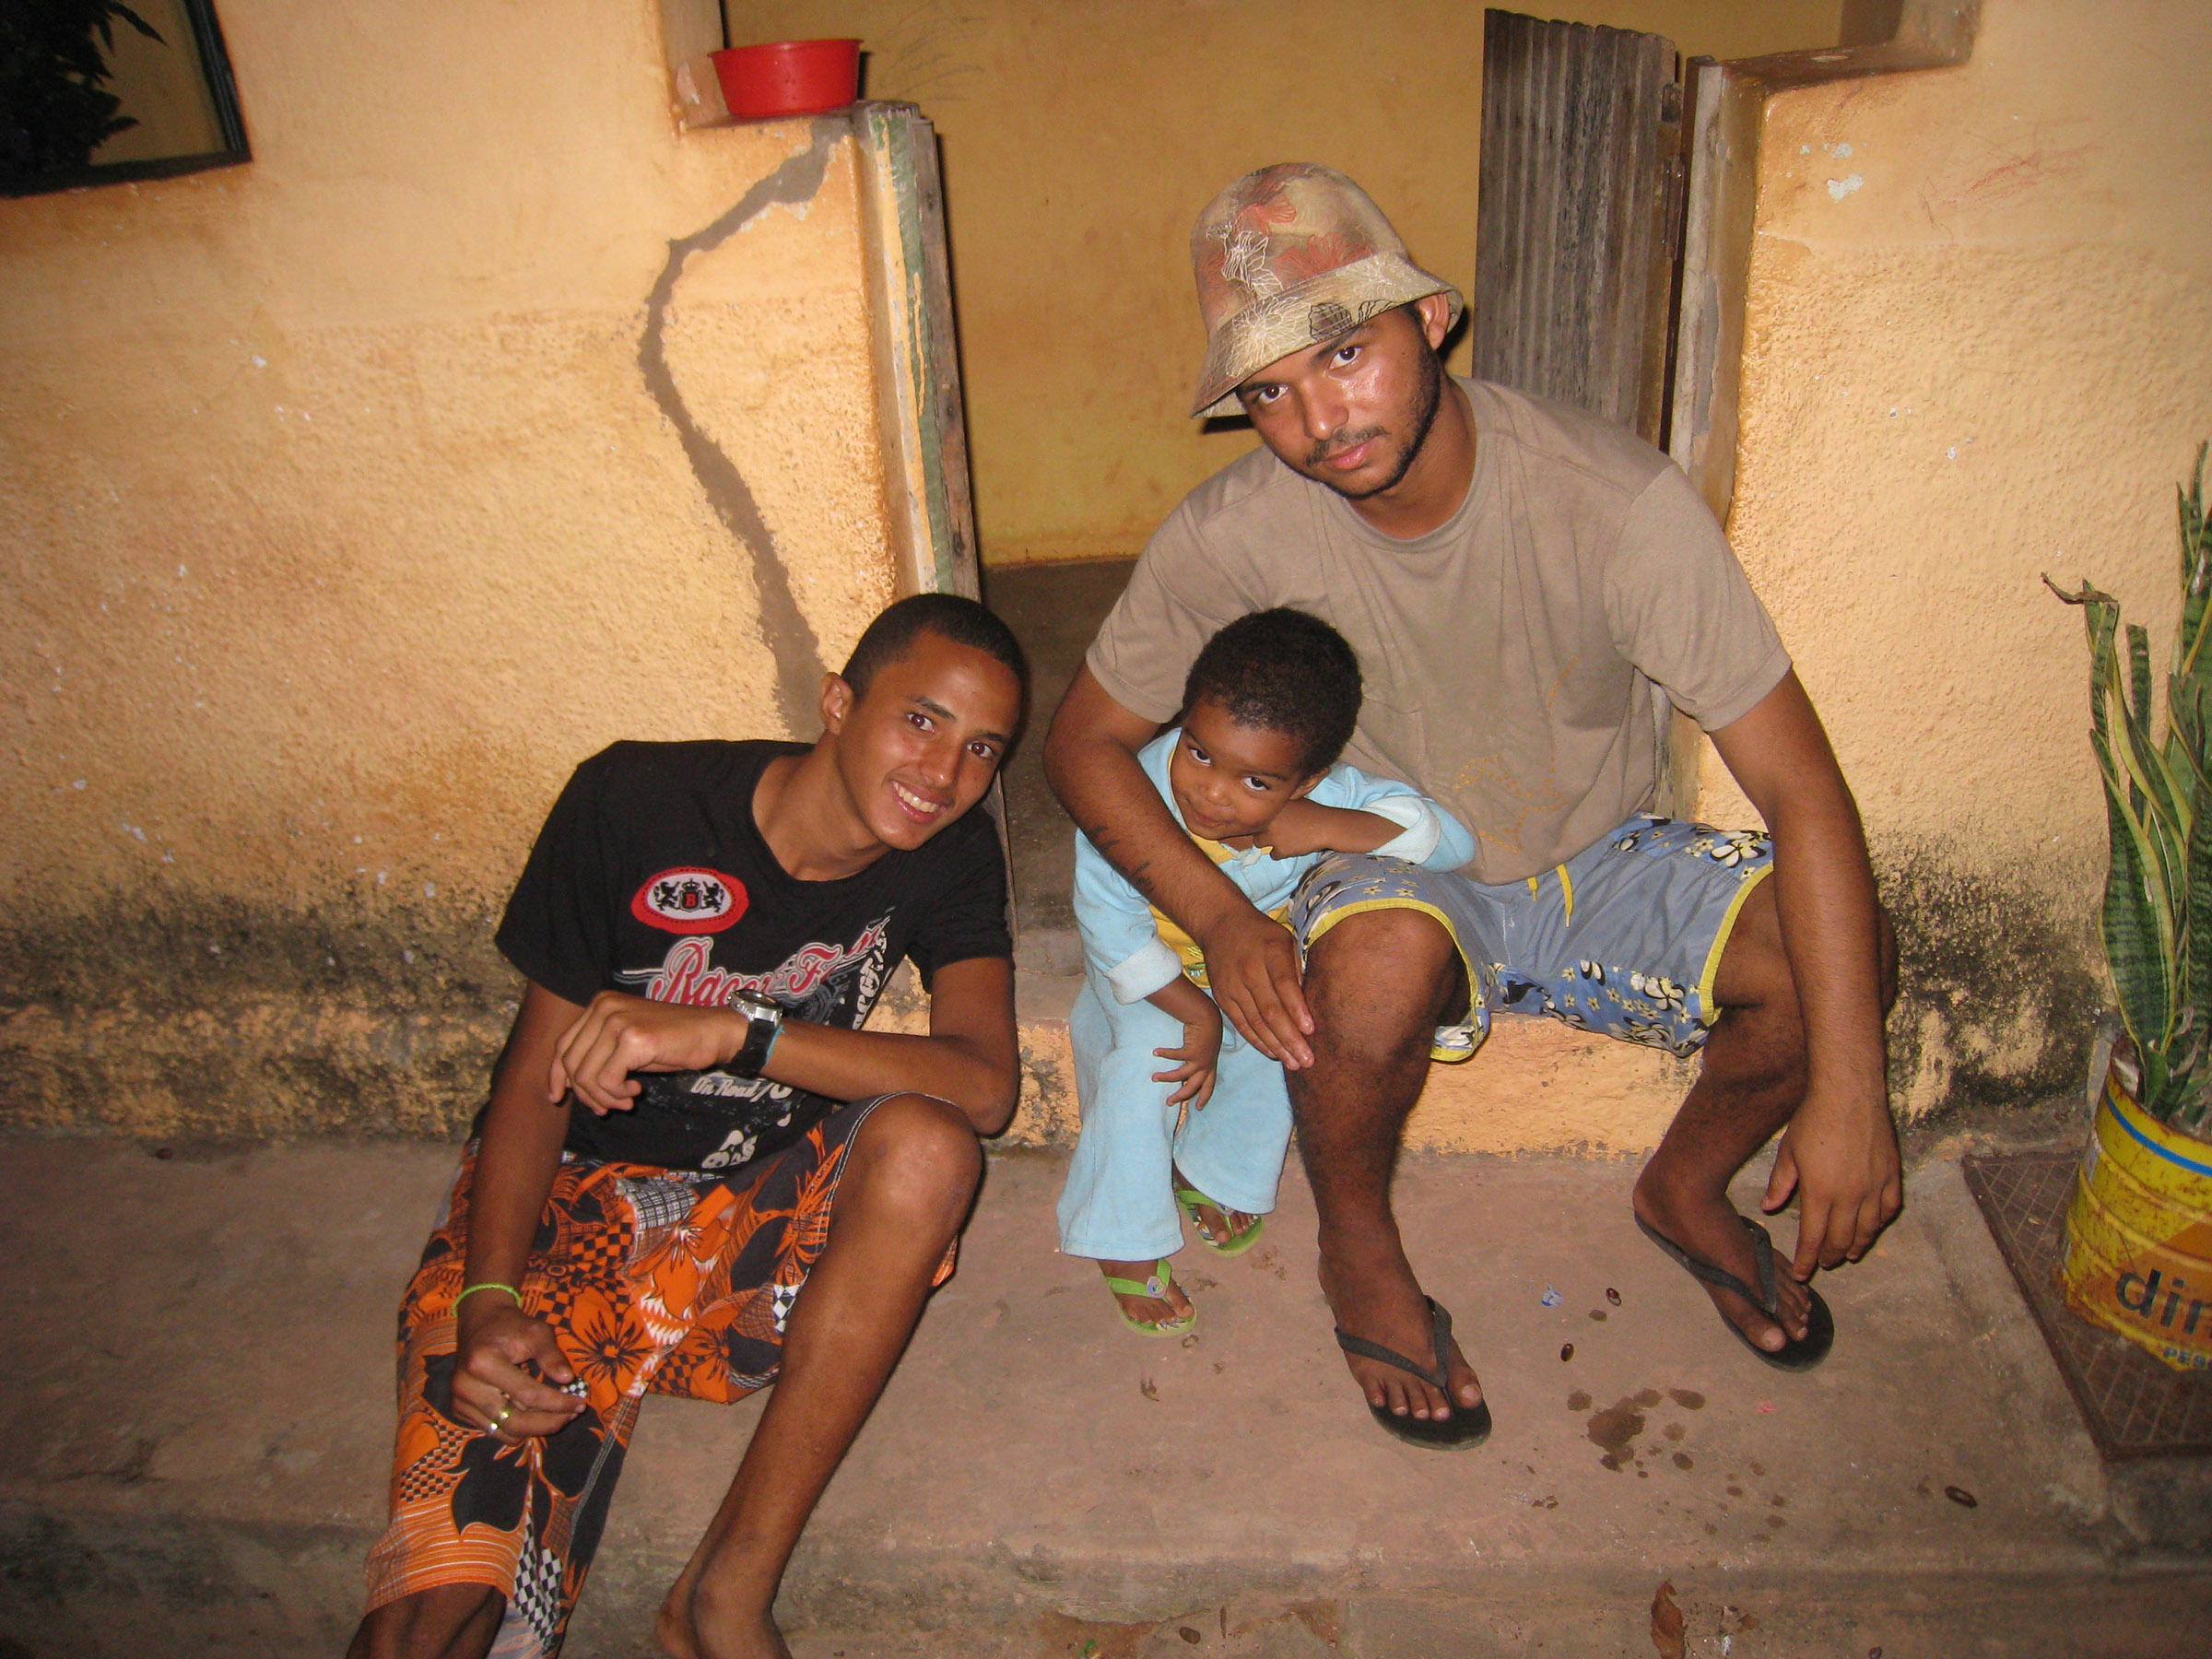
(2158, 797)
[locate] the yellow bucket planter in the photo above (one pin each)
(2139, 1233)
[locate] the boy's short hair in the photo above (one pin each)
(1282, 670)
(963, 621)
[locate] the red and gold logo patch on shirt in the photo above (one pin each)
(689, 900)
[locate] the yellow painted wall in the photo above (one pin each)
(338, 520)
(1081, 140)
(1979, 348)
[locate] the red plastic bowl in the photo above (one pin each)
(788, 77)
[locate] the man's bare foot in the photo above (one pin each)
(1170, 1308)
(1707, 1227)
(1387, 1308)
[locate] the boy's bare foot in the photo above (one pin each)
(1170, 1307)
(672, 1632)
(728, 1622)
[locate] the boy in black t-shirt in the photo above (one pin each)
(704, 926)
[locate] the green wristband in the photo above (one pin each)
(487, 1285)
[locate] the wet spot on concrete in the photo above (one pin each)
(1689, 1399)
(1710, 1529)
(1779, 1501)
(1736, 1491)
(1776, 1521)
(1614, 1430)
(1578, 1401)
(1682, 1461)
(1191, 1341)
(1674, 1431)
(1149, 1389)
(1647, 1396)
(1758, 1467)
(1190, 1635)
(1201, 1282)
(1598, 1314)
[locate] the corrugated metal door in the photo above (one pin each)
(1579, 226)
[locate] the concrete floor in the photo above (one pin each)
(199, 1409)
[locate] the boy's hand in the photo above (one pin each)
(1200, 1055)
(1301, 828)
(506, 1365)
(620, 1034)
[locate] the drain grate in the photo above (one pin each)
(2134, 1405)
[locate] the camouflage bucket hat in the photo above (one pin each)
(1288, 257)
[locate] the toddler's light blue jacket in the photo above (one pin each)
(1136, 950)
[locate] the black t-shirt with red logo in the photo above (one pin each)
(652, 878)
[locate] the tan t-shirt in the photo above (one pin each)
(1510, 654)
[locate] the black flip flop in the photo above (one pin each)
(1462, 1427)
(1798, 1355)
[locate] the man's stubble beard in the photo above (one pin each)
(1432, 397)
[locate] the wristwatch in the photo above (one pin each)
(765, 1024)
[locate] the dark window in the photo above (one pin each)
(100, 91)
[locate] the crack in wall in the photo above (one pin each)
(784, 627)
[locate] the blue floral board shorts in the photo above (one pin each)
(1622, 939)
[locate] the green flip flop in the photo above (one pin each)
(1155, 1288)
(1191, 1199)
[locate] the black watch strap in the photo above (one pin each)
(765, 1024)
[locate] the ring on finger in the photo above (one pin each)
(506, 1410)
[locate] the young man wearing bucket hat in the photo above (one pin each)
(1523, 583)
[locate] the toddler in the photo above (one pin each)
(1250, 774)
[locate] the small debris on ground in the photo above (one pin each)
(1961, 1497)
(1190, 1635)
(1613, 1296)
(1551, 1299)
(1149, 1390)
(1566, 1352)
(1666, 1622)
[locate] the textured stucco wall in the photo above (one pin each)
(340, 518)
(1081, 140)
(1979, 348)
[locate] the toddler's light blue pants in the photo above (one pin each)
(1119, 1204)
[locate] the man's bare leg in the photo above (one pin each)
(909, 1178)
(1750, 1085)
(454, 1621)
(1376, 983)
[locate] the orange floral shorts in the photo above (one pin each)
(654, 1281)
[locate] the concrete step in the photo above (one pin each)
(1535, 1085)
(199, 1403)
